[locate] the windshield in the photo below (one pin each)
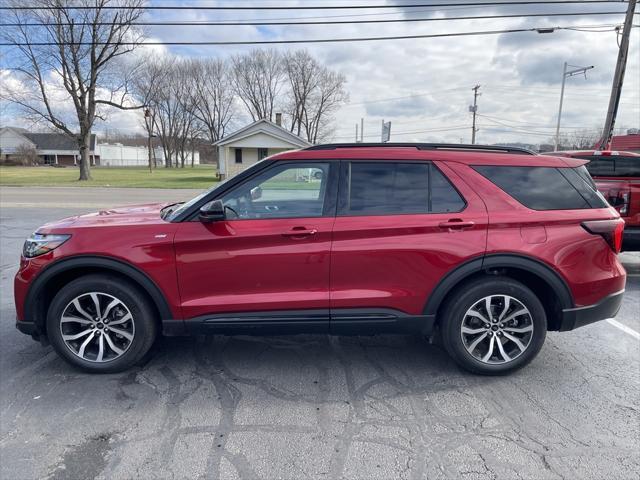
(173, 211)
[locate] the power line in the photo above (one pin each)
(411, 132)
(318, 22)
(314, 7)
(541, 30)
(404, 97)
(534, 125)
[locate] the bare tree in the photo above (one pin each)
(315, 93)
(303, 73)
(70, 56)
(166, 88)
(325, 99)
(146, 89)
(258, 77)
(212, 96)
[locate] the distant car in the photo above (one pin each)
(490, 247)
(617, 176)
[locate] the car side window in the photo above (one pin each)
(285, 191)
(385, 188)
(444, 198)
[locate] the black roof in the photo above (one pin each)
(56, 141)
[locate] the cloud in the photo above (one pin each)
(520, 73)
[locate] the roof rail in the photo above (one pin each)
(427, 146)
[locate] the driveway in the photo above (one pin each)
(310, 406)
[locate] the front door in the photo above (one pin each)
(267, 264)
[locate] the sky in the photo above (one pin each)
(424, 86)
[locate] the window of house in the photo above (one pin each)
(238, 155)
(263, 153)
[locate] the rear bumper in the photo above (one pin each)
(580, 316)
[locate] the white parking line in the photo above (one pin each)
(624, 328)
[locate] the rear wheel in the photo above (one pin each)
(101, 323)
(493, 326)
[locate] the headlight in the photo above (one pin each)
(39, 244)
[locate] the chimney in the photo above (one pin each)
(279, 119)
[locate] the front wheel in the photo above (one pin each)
(101, 324)
(493, 326)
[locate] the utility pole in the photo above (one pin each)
(361, 129)
(357, 140)
(618, 78)
(474, 109)
(566, 74)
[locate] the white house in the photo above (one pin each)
(246, 146)
(50, 148)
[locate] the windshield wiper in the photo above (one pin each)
(169, 209)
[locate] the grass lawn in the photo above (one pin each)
(201, 177)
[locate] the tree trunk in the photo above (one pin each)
(85, 166)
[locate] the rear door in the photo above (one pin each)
(399, 229)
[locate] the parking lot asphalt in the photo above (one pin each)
(310, 406)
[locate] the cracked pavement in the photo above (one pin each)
(310, 406)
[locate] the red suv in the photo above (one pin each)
(617, 176)
(488, 246)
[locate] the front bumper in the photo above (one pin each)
(580, 316)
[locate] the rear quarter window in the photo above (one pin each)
(545, 188)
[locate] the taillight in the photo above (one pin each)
(610, 230)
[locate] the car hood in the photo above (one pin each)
(133, 214)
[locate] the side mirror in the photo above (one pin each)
(212, 212)
(256, 193)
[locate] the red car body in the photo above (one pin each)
(621, 190)
(338, 273)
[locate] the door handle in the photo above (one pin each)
(456, 224)
(300, 232)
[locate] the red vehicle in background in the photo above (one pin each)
(617, 176)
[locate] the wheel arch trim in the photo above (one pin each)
(93, 261)
(499, 260)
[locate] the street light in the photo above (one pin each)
(565, 74)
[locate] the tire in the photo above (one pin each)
(496, 353)
(115, 340)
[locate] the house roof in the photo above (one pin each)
(51, 141)
(626, 142)
(629, 143)
(56, 141)
(267, 127)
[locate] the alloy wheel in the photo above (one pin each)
(97, 327)
(497, 329)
